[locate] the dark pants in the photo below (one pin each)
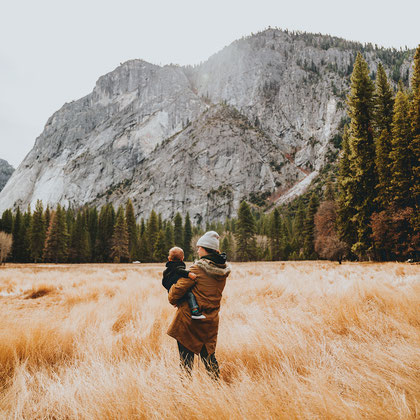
(209, 360)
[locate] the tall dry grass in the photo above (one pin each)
(296, 340)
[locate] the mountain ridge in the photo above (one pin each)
(291, 87)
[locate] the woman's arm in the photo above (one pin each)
(179, 289)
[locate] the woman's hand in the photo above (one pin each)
(192, 276)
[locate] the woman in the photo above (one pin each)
(200, 336)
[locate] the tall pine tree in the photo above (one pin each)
(79, 250)
(346, 206)
(275, 235)
(383, 111)
(92, 225)
(309, 229)
(18, 247)
(56, 242)
(415, 135)
(361, 189)
(105, 231)
(400, 156)
(169, 236)
(178, 231)
(152, 231)
(160, 253)
(119, 250)
(132, 231)
(187, 238)
(246, 247)
(7, 221)
(37, 233)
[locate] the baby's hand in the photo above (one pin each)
(192, 276)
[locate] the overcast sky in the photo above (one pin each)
(53, 51)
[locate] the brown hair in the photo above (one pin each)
(176, 254)
(211, 251)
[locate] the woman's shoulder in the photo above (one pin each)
(194, 268)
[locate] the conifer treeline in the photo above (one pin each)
(64, 235)
(86, 235)
(379, 200)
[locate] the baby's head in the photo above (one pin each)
(176, 254)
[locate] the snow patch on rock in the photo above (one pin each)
(297, 189)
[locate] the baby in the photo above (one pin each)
(175, 269)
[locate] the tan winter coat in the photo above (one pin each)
(207, 288)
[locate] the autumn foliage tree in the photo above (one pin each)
(6, 241)
(327, 242)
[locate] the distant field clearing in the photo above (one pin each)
(307, 340)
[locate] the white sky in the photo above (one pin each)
(53, 51)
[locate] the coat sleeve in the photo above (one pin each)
(182, 272)
(178, 290)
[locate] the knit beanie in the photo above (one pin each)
(209, 240)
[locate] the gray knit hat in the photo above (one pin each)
(209, 240)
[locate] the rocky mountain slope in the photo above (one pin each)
(253, 121)
(6, 171)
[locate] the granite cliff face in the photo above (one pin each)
(253, 121)
(6, 171)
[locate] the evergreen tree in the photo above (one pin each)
(70, 217)
(329, 194)
(362, 154)
(169, 236)
(143, 247)
(275, 235)
(298, 225)
(152, 231)
(246, 247)
(309, 229)
(105, 232)
(286, 246)
(346, 205)
(18, 247)
(79, 250)
(227, 246)
(56, 242)
(92, 225)
(383, 111)
(26, 225)
(187, 238)
(178, 231)
(119, 250)
(142, 226)
(383, 102)
(160, 251)
(7, 221)
(37, 233)
(132, 230)
(415, 134)
(47, 215)
(400, 155)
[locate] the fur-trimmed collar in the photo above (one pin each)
(218, 271)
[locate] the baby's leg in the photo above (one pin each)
(192, 301)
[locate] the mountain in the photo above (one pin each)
(6, 171)
(257, 120)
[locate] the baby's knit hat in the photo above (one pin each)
(209, 240)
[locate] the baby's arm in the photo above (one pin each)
(185, 273)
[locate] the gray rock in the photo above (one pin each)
(254, 120)
(6, 171)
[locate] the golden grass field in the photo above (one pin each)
(297, 340)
